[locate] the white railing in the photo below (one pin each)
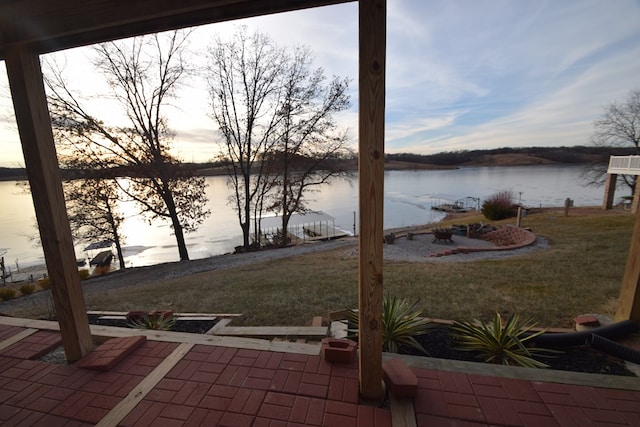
(624, 165)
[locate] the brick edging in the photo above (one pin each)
(522, 236)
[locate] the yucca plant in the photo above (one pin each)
(154, 322)
(401, 322)
(501, 342)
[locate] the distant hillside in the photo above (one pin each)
(513, 156)
(403, 161)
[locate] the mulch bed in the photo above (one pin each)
(441, 345)
(190, 326)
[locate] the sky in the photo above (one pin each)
(461, 75)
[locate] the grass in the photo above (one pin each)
(581, 272)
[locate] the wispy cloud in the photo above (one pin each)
(512, 73)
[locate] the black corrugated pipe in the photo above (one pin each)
(569, 339)
(614, 349)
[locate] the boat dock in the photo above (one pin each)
(310, 226)
(449, 205)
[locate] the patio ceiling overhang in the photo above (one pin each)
(29, 28)
(48, 26)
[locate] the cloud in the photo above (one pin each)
(399, 129)
(511, 73)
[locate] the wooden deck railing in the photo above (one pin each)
(624, 165)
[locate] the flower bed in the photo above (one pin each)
(439, 343)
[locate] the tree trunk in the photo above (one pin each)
(246, 227)
(120, 253)
(285, 227)
(177, 227)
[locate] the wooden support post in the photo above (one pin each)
(636, 197)
(629, 298)
(34, 125)
(609, 191)
(372, 35)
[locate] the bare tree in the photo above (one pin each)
(275, 115)
(143, 75)
(92, 206)
(244, 78)
(310, 149)
(619, 127)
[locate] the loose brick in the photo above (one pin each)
(399, 378)
(111, 353)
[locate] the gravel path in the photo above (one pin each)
(422, 246)
(416, 250)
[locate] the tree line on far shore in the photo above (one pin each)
(581, 154)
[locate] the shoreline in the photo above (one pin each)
(229, 259)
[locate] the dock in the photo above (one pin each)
(310, 226)
(449, 204)
(322, 232)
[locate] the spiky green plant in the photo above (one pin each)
(401, 322)
(154, 322)
(501, 342)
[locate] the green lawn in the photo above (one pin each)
(579, 273)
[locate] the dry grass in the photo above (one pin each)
(581, 272)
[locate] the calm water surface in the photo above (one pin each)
(409, 196)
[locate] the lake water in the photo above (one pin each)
(409, 196)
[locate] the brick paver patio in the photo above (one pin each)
(174, 384)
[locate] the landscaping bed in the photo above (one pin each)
(190, 325)
(439, 344)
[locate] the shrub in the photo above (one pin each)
(7, 293)
(499, 206)
(401, 321)
(101, 270)
(153, 321)
(27, 289)
(501, 342)
(45, 283)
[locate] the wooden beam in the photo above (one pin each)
(609, 190)
(49, 26)
(372, 19)
(635, 203)
(629, 298)
(274, 331)
(102, 333)
(34, 125)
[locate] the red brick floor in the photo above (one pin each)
(237, 387)
(448, 399)
(218, 386)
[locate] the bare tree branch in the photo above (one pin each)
(142, 74)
